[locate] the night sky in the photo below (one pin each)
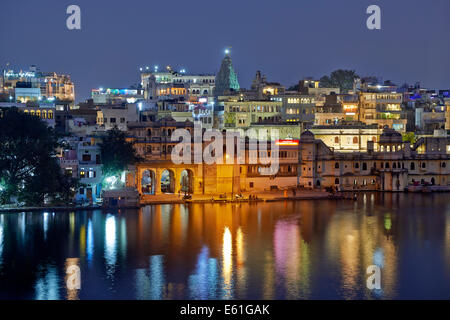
(285, 39)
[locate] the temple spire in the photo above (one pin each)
(226, 79)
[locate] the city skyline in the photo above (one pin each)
(95, 56)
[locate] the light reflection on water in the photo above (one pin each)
(284, 250)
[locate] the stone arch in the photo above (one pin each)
(167, 181)
(148, 182)
(187, 181)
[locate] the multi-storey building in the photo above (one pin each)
(383, 109)
(170, 84)
(110, 116)
(242, 114)
(397, 166)
(298, 108)
(48, 86)
(347, 136)
(82, 160)
(114, 96)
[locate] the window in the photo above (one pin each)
(122, 120)
(251, 184)
(86, 157)
(423, 165)
(336, 181)
(82, 174)
(413, 166)
(364, 166)
(336, 139)
(356, 165)
(355, 140)
(112, 120)
(386, 165)
(336, 165)
(443, 165)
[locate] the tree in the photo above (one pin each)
(342, 79)
(409, 137)
(29, 168)
(117, 154)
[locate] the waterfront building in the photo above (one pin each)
(82, 160)
(395, 167)
(152, 140)
(160, 175)
(347, 136)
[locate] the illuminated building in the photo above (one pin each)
(170, 84)
(395, 167)
(52, 86)
(242, 114)
(152, 140)
(82, 160)
(157, 174)
(114, 96)
(337, 108)
(263, 88)
(44, 111)
(347, 136)
(382, 109)
(110, 116)
(310, 86)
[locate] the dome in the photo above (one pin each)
(307, 136)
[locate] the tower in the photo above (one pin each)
(226, 79)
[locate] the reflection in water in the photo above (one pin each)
(227, 260)
(282, 250)
(45, 223)
(46, 287)
(90, 242)
(202, 284)
(157, 281)
(287, 257)
(110, 245)
(1, 242)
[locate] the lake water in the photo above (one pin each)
(282, 250)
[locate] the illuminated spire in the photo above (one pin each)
(226, 79)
